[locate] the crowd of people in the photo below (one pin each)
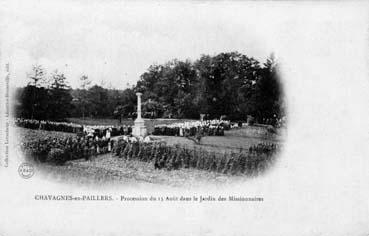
(85, 130)
(95, 140)
(48, 125)
(60, 150)
(193, 128)
(110, 131)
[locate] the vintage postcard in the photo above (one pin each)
(184, 118)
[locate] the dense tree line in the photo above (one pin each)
(227, 84)
(50, 98)
(44, 98)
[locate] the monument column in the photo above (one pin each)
(139, 129)
(139, 105)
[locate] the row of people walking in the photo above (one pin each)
(48, 125)
(193, 128)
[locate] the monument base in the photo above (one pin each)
(139, 129)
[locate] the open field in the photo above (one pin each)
(108, 168)
(233, 140)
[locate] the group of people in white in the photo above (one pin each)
(191, 128)
(101, 132)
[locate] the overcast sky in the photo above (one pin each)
(115, 42)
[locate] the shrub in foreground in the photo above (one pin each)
(57, 156)
(164, 156)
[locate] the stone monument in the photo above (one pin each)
(139, 129)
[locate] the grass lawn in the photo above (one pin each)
(110, 169)
(232, 141)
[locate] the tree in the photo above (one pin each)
(126, 104)
(152, 109)
(98, 99)
(83, 100)
(119, 112)
(60, 97)
(268, 97)
(230, 84)
(34, 98)
(34, 102)
(37, 76)
(224, 83)
(166, 84)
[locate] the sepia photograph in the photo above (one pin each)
(184, 118)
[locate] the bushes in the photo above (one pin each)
(163, 156)
(57, 156)
(271, 129)
(60, 150)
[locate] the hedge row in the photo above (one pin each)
(175, 157)
(58, 151)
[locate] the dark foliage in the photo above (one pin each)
(227, 84)
(60, 150)
(163, 156)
